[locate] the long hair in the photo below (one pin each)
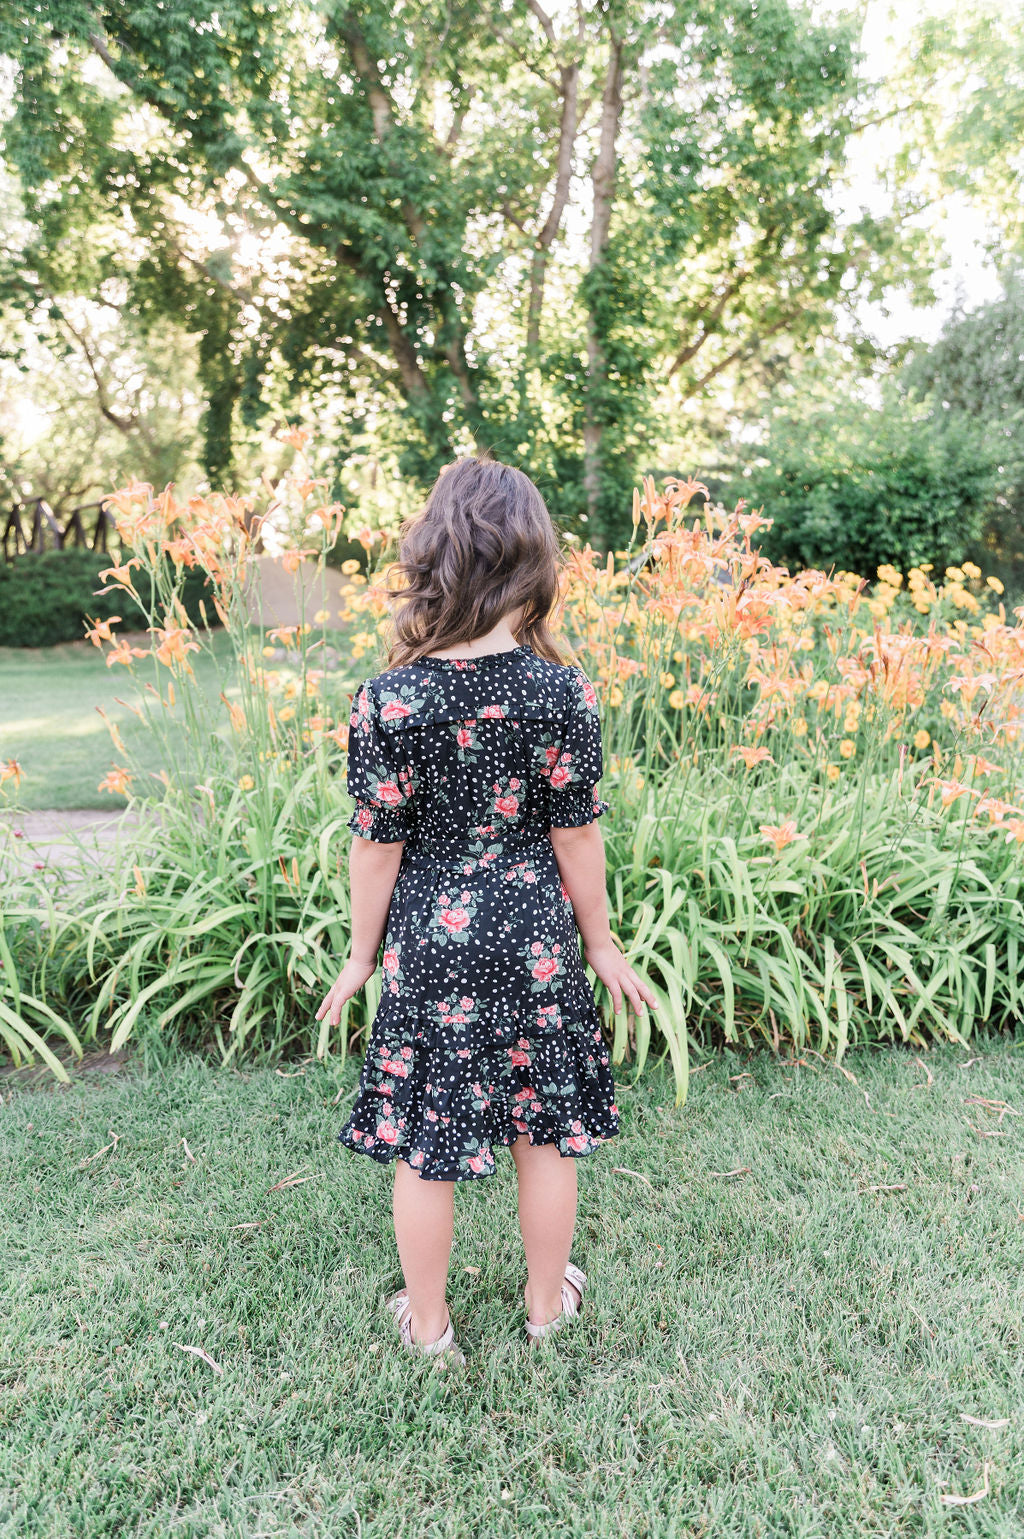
(482, 545)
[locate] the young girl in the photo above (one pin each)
(473, 760)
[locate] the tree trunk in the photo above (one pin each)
(603, 181)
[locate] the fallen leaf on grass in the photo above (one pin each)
(115, 1139)
(979, 1421)
(966, 1501)
(188, 1152)
(198, 1352)
(987, 1132)
(256, 1224)
(474, 1271)
(285, 1075)
(1002, 1107)
(293, 1180)
(741, 1170)
(897, 1186)
(930, 1076)
(620, 1170)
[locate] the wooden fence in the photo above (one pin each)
(32, 527)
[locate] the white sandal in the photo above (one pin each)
(444, 1346)
(570, 1306)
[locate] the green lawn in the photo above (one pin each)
(50, 724)
(783, 1351)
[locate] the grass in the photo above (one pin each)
(50, 724)
(779, 1352)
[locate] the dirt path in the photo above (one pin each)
(56, 839)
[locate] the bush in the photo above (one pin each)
(854, 487)
(45, 598)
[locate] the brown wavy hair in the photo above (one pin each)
(482, 545)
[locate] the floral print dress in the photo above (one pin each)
(487, 1026)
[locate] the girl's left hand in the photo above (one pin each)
(348, 982)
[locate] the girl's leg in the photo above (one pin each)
(424, 1214)
(547, 1217)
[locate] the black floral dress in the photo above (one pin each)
(487, 1025)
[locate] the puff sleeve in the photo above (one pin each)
(574, 775)
(380, 779)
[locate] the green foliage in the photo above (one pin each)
(976, 369)
(852, 486)
(45, 598)
(404, 199)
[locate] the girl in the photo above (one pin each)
(472, 761)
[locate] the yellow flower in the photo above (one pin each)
(922, 607)
(921, 739)
(677, 700)
(667, 680)
(847, 748)
(349, 567)
(890, 575)
(286, 713)
(947, 709)
(970, 570)
(833, 772)
(800, 726)
(994, 584)
(615, 695)
(247, 782)
(955, 573)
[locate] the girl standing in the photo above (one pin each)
(473, 761)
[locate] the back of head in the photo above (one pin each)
(482, 546)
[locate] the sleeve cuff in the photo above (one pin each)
(576, 806)
(384, 825)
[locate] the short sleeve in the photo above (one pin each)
(574, 775)
(380, 780)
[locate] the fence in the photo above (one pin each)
(32, 527)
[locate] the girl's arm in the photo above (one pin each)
(372, 873)
(581, 865)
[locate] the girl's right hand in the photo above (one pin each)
(348, 982)
(619, 978)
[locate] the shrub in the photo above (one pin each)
(853, 487)
(46, 597)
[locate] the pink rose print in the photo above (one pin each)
(537, 948)
(389, 794)
(364, 817)
(544, 969)
(476, 1163)
(466, 1003)
(464, 737)
(390, 961)
(519, 1055)
(394, 711)
(454, 919)
(463, 1052)
(387, 1134)
(416, 1160)
(551, 755)
(492, 710)
(579, 1143)
(589, 694)
(560, 775)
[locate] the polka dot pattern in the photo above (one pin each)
(487, 1026)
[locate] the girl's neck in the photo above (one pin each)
(500, 639)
